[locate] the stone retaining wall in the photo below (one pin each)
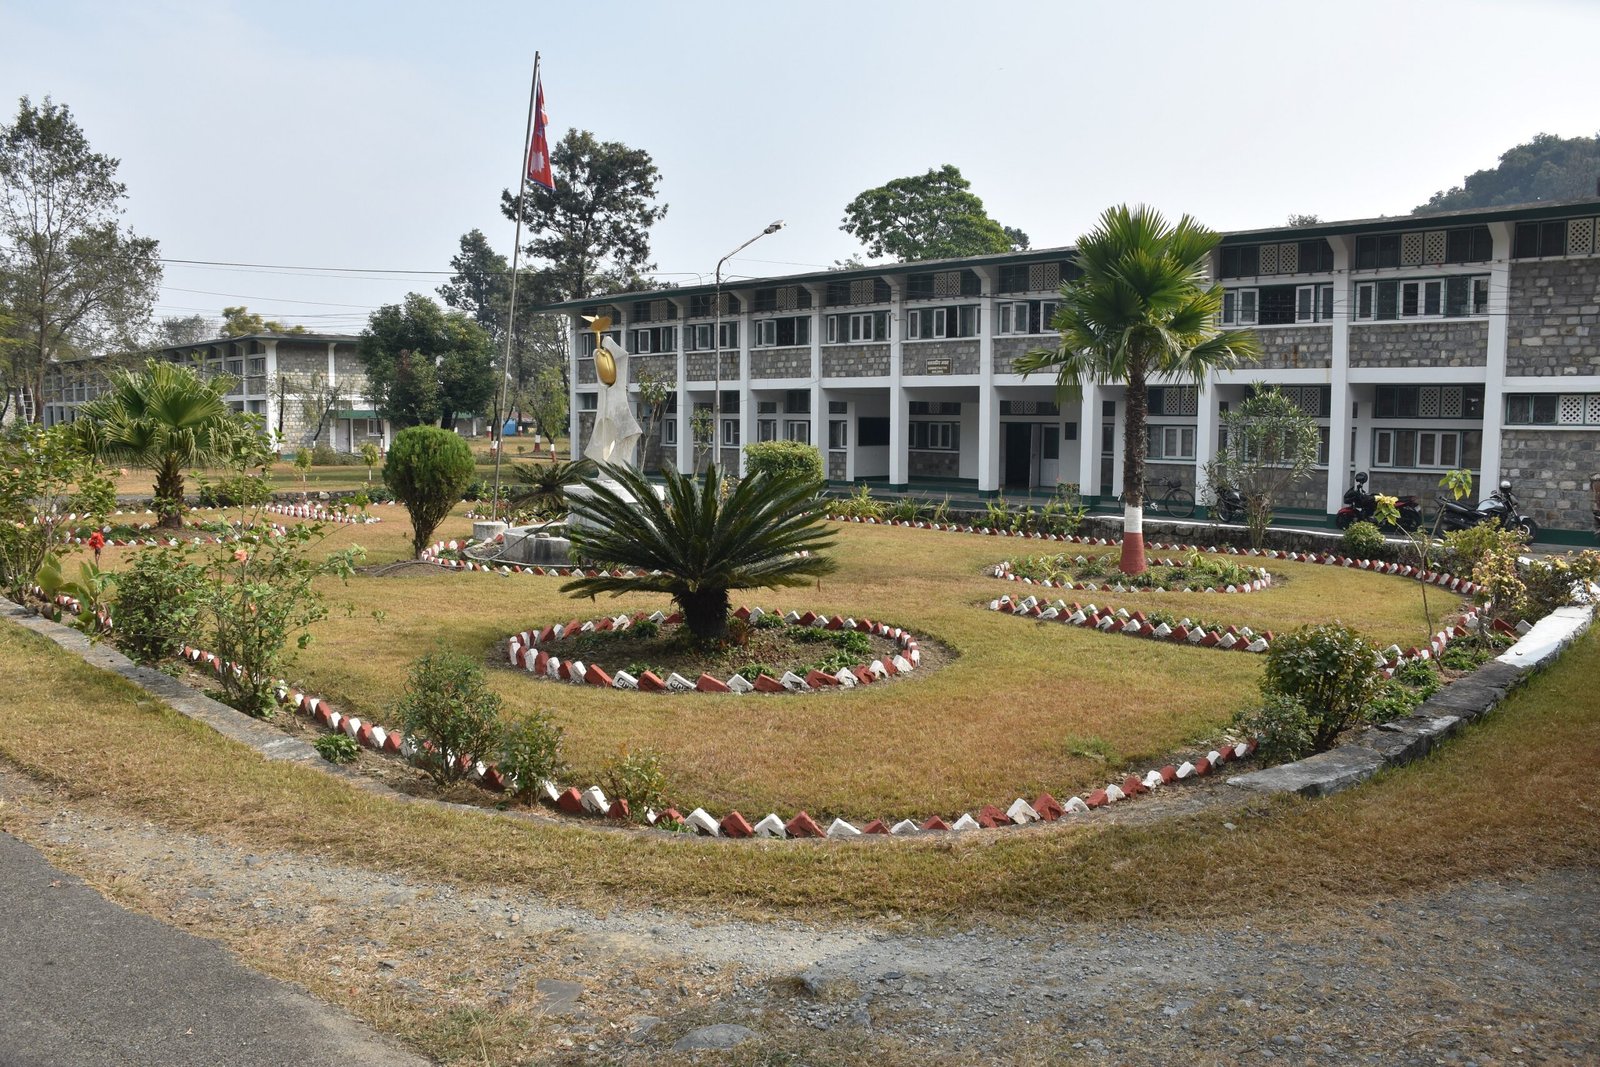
(1290, 347)
(1420, 344)
(781, 362)
(855, 361)
(1551, 472)
(1554, 329)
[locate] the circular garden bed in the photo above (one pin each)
(1193, 573)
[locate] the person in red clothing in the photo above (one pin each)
(97, 542)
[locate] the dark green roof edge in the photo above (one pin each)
(1474, 216)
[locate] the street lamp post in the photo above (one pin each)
(716, 340)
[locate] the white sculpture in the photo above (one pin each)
(616, 432)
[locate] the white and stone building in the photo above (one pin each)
(1420, 343)
(255, 362)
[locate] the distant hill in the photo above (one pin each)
(1546, 168)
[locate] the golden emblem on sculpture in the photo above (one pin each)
(605, 366)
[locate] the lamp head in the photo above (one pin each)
(774, 228)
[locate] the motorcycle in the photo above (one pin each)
(1360, 505)
(1229, 506)
(1500, 506)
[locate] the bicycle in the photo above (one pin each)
(1177, 501)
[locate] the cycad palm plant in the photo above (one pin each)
(167, 418)
(1140, 310)
(696, 544)
(542, 487)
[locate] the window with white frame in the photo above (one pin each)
(1553, 409)
(1427, 449)
(925, 324)
(655, 339)
(935, 436)
(1171, 442)
(586, 341)
(858, 327)
(669, 431)
(774, 333)
(838, 434)
(1024, 316)
(697, 338)
(1313, 303)
(258, 365)
(1240, 307)
(1457, 296)
(588, 401)
(730, 433)
(766, 429)
(798, 430)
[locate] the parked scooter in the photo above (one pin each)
(1500, 506)
(1360, 505)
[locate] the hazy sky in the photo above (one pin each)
(363, 135)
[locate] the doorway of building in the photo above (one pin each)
(1019, 455)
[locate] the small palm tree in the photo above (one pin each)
(167, 418)
(697, 544)
(542, 487)
(1140, 310)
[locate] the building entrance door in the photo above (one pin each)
(1019, 455)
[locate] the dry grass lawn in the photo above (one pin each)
(1017, 708)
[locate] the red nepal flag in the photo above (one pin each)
(539, 152)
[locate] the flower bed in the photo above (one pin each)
(533, 651)
(1163, 575)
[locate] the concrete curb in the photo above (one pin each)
(1393, 744)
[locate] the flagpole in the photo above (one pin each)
(498, 432)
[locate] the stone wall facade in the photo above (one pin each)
(934, 464)
(962, 356)
(1551, 472)
(791, 362)
(585, 428)
(1434, 343)
(660, 369)
(837, 465)
(586, 374)
(1007, 349)
(1290, 347)
(1554, 328)
(299, 361)
(702, 368)
(855, 361)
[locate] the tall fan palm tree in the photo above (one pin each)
(697, 545)
(167, 418)
(1140, 310)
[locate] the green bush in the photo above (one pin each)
(1282, 727)
(1465, 549)
(337, 748)
(635, 775)
(1330, 670)
(158, 604)
(1363, 540)
(451, 713)
(645, 629)
(428, 468)
(783, 457)
(530, 751)
(323, 455)
(1392, 701)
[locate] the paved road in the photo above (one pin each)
(85, 983)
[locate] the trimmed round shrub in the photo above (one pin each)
(428, 469)
(785, 458)
(1363, 540)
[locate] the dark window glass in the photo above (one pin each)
(872, 431)
(766, 300)
(1050, 446)
(1388, 299)
(919, 286)
(1366, 253)
(1472, 402)
(971, 284)
(1527, 241)
(1388, 250)
(1277, 305)
(1553, 238)
(1013, 279)
(1544, 407)
(880, 291)
(1315, 257)
(1456, 292)
(1072, 431)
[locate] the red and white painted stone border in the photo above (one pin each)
(531, 650)
(1229, 639)
(592, 801)
(1005, 571)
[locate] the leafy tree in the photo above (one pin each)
(44, 478)
(427, 468)
(1140, 310)
(424, 364)
(1271, 444)
(370, 455)
(1304, 220)
(593, 232)
(653, 396)
(1546, 168)
(321, 399)
(167, 418)
(547, 402)
(241, 322)
(696, 544)
(71, 278)
(175, 330)
(927, 216)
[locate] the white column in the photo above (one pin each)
(819, 395)
(1207, 423)
(899, 406)
(988, 401)
(747, 403)
(273, 372)
(1494, 380)
(1339, 458)
(1089, 440)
